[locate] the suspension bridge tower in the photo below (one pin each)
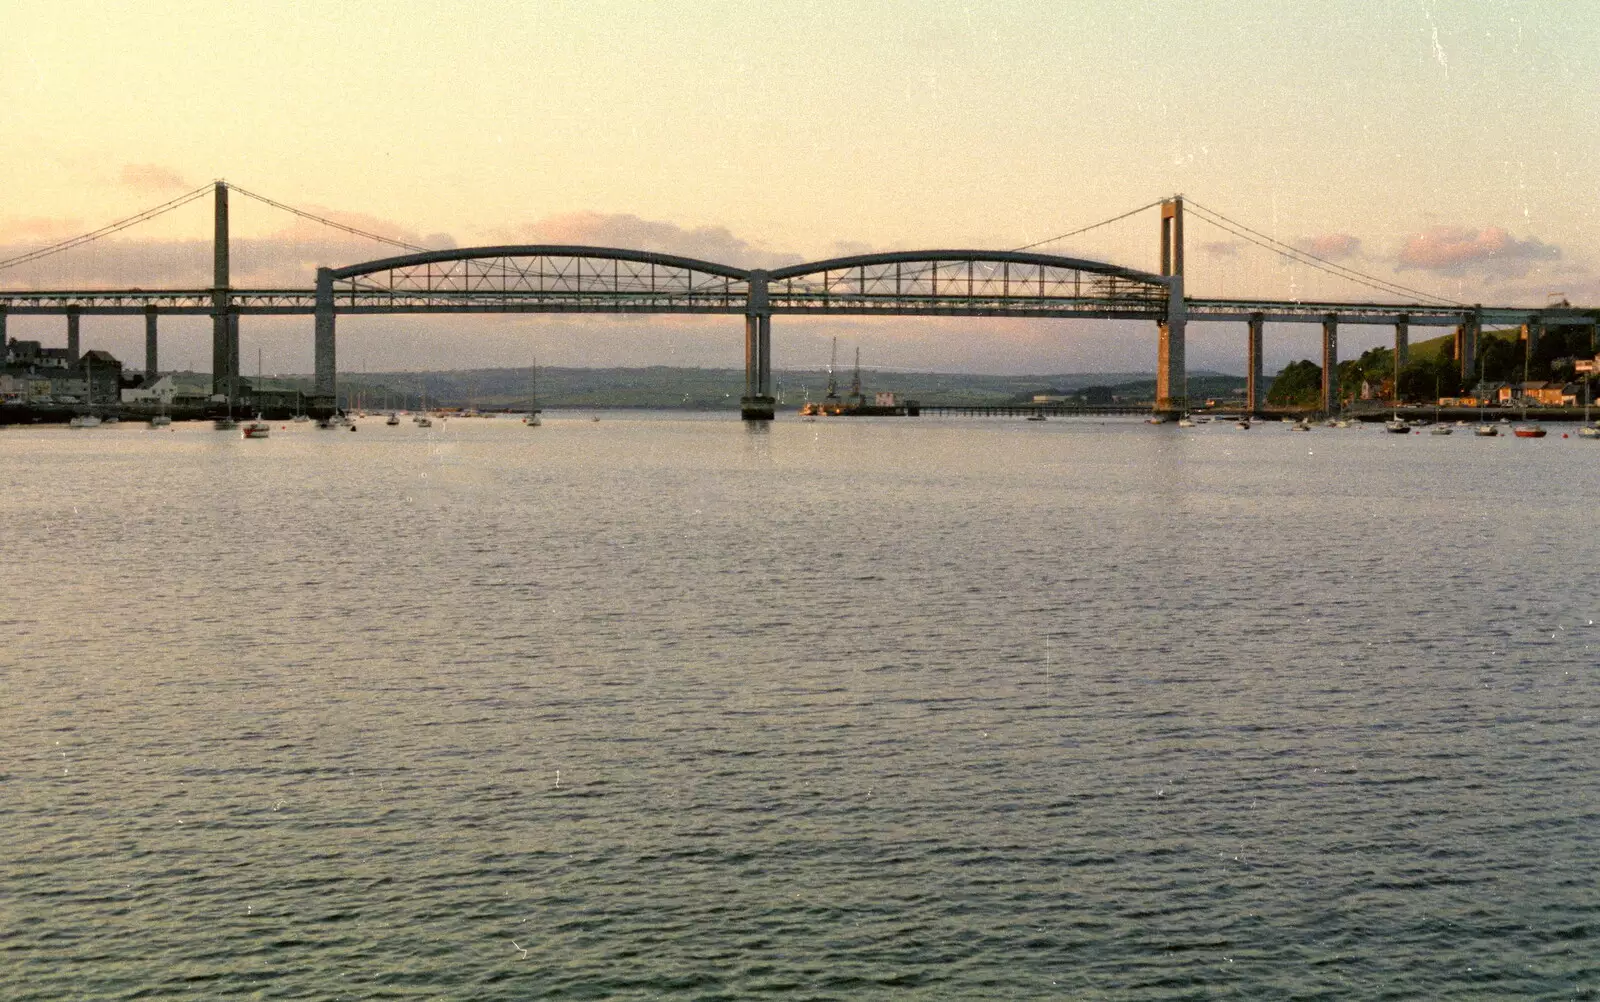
(1171, 375)
(224, 321)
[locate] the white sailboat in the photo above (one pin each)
(258, 428)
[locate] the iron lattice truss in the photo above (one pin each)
(588, 280)
(967, 283)
(165, 301)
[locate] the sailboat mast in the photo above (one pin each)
(855, 380)
(833, 363)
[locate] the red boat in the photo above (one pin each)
(1528, 431)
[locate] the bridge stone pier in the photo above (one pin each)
(1330, 364)
(758, 404)
(152, 367)
(1402, 348)
(1253, 374)
(73, 343)
(325, 359)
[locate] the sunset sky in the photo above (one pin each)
(1451, 147)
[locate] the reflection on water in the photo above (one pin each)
(939, 708)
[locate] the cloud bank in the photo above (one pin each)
(708, 243)
(1491, 252)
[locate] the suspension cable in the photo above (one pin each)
(105, 230)
(1091, 226)
(327, 222)
(1217, 219)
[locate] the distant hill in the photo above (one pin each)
(719, 389)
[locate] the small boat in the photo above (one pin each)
(1342, 423)
(1182, 422)
(1396, 426)
(257, 428)
(161, 420)
(1244, 424)
(1441, 429)
(301, 418)
(422, 421)
(224, 424)
(1589, 431)
(1300, 426)
(1529, 431)
(1486, 431)
(84, 421)
(1186, 423)
(1202, 419)
(394, 419)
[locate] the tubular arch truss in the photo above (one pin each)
(562, 278)
(541, 277)
(965, 282)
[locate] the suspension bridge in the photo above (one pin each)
(541, 278)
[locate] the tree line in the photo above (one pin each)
(1434, 372)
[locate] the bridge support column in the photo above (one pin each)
(234, 386)
(3, 341)
(224, 362)
(1469, 349)
(757, 403)
(72, 336)
(324, 358)
(1171, 373)
(1330, 364)
(1402, 351)
(1530, 334)
(1172, 392)
(1252, 376)
(151, 359)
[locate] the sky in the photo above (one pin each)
(1450, 147)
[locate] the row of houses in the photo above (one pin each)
(35, 375)
(1531, 394)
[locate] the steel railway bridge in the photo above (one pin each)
(579, 279)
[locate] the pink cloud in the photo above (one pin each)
(708, 243)
(1454, 250)
(1332, 246)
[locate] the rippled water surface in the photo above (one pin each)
(660, 707)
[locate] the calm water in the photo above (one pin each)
(659, 707)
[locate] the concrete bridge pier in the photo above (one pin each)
(1469, 349)
(224, 335)
(72, 336)
(1530, 333)
(3, 341)
(757, 403)
(1402, 350)
(325, 390)
(1172, 392)
(1330, 364)
(151, 359)
(1252, 374)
